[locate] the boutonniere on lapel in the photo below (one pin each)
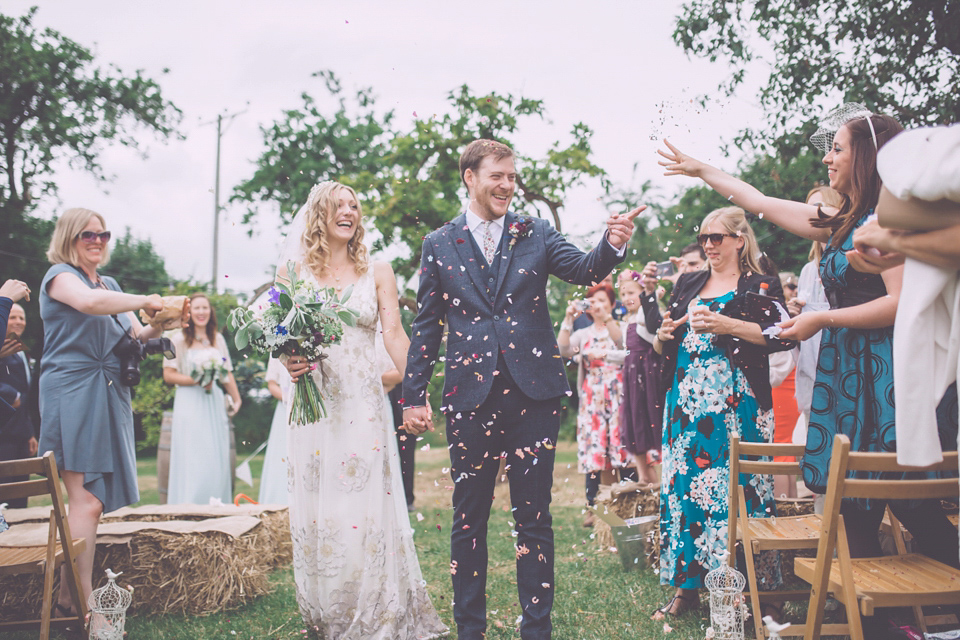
(520, 228)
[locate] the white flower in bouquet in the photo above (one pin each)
(210, 371)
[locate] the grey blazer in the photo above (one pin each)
(487, 316)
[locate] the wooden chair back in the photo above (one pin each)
(23, 560)
(839, 486)
(746, 457)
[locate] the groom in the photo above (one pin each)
(483, 279)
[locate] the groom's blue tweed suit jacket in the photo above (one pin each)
(493, 311)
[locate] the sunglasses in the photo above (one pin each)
(714, 238)
(92, 236)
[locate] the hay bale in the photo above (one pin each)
(628, 500)
(631, 499)
(179, 564)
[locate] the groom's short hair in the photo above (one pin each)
(472, 157)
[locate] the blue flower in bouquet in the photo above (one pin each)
(299, 320)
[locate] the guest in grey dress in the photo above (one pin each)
(86, 417)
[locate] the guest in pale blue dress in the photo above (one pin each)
(86, 417)
(200, 433)
(273, 480)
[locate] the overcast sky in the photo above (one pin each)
(611, 65)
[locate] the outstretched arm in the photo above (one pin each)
(791, 216)
(569, 263)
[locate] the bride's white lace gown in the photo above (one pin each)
(355, 565)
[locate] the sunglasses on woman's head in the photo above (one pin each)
(714, 238)
(91, 236)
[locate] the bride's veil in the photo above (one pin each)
(293, 244)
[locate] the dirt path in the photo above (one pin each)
(433, 487)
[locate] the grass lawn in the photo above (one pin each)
(595, 600)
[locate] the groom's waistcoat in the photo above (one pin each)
(494, 315)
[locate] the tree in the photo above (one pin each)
(306, 146)
(409, 181)
(56, 105)
(137, 267)
(900, 57)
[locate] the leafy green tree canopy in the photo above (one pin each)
(137, 266)
(56, 105)
(900, 57)
(409, 179)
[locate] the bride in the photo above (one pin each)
(355, 565)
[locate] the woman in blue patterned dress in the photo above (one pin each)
(715, 368)
(853, 392)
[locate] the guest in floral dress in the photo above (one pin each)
(715, 371)
(597, 351)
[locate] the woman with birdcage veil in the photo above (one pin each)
(853, 393)
(355, 564)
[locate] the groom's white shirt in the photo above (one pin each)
(475, 224)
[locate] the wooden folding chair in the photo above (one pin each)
(864, 584)
(766, 534)
(45, 559)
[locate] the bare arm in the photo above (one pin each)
(394, 337)
(230, 386)
(875, 314)
(173, 377)
(274, 388)
(68, 289)
(791, 216)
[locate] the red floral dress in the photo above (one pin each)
(600, 383)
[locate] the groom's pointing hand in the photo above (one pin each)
(620, 227)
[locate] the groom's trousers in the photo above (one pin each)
(525, 431)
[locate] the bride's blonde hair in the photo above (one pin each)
(321, 207)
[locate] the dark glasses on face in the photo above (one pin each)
(91, 236)
(714, 238)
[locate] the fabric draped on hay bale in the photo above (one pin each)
(178, 558)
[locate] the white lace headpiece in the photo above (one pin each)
(293, 248)
(831, 123)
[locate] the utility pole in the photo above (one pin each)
(216, 193)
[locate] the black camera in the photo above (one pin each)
(131, 352)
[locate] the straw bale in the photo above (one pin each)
(629, 500)
(195, 573)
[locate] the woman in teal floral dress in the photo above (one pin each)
(716, 373)
(853, 393)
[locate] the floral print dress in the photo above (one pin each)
(598, 421)
(708, 401)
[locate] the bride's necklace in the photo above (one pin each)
(335, 274)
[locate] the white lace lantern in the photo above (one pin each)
(108, 609)
(727, 605)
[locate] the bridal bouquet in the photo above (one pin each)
(213, 370)
(299, 319)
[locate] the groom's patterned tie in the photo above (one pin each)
(488, 247)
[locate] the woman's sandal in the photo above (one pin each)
(675, 609)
